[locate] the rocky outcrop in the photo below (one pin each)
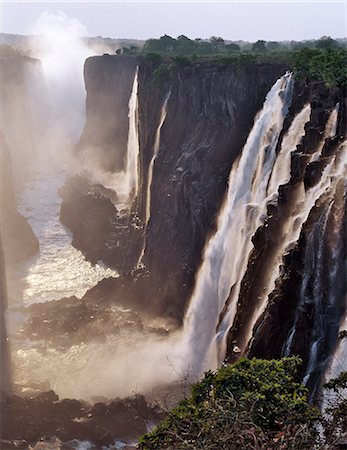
(45, 418)
(209, 114)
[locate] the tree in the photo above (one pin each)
(324, 65)
(232, 47)
(326, 42)
(217, 42)
(259, 46)
(165, 44)
(272, 46)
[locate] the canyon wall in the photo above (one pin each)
(209, 112)
(193, 121)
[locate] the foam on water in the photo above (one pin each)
(59, 270)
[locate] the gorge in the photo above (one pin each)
(199, 216)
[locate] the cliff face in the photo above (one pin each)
(108, 81)
(209, 112)
(19, 241)
(193, 122)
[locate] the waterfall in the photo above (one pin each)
(329, 131)
(281, 170)
(126, 183)
(150, 174)
(323, 261)
(314, 266)
(227, 252)
(133, 141)
(304, 202)
(332, 174)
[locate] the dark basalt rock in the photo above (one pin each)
(67, 322)
(99, 231)
(209, 114)
(313, 318)
(270, 333)
(28, 420)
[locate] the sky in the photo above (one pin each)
(275, 20)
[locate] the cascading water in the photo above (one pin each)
(304, 202)
(211, 272)
(184, 351)
(324, 259)
(150, 173)
(227, 251)
(333, 172)
(281, 170)
(329, 131)
(125, 183)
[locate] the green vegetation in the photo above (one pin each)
(321, 60)
(252, 404)
(326, 64)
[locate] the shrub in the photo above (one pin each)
(251, 404)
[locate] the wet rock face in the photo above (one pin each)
(209, 114)
(28, 420)
(304, 310)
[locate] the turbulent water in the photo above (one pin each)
(59, 270)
